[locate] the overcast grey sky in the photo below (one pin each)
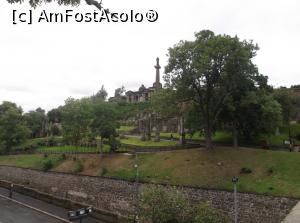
(43, 64)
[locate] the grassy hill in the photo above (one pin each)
(226, 137)
(273, 172)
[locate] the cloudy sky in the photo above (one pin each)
(44, 63)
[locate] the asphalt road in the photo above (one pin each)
(11, 212)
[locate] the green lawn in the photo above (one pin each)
(69, 149)
(125, 128)
(223, 136)
(219, 136)
(137, 142)
(30, 161)
(273, 172)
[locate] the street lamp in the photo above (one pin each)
(136, 166)
(235, 180)
(11, 191)
(79, 214)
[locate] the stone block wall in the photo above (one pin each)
(118, 196)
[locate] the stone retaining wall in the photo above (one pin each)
(118, 196)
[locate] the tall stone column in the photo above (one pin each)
(157, 83)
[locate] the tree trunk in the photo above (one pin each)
(235, 136)
(148, 129)
(157, 132)
(100, 146)
(181, 131)
(277, 131)
(208, 141)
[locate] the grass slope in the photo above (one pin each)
(30, 161)
(273, 172)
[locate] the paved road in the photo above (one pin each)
(11, 212)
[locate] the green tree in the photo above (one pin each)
(36, 122)
(54, 121)
(104, 121)
(260, 113)
(119, 96)
(35, 3)
(13, 130)
(120, 91)
(76, 120)
(233, 116)
(166, 103)
(101, 94)
(287, 101)
(202, 71)
(54, 115)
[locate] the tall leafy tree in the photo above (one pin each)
(260, 113)
(36, 122)
(104, 121)
(287, 101)
(13, 130)
(54, 115)
(120, 91)
(167, 103)
(54, 121)
(76, 120)
(203, 72)
(101, 94)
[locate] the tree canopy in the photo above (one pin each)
(13, 129)
(35, 3)
(209, 71)
(36, 122)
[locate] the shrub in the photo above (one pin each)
(2, 150)
(245, 170)
(63, 156)
(270, 170)
(160, 204)
(207, 214)
(104, 171)
(78, 166)
(297, 137)
(164, 204)
(47, 165)
(114, 144)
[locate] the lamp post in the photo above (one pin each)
(235, 180)
(11, 191)
(136, 218)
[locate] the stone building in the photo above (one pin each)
(144, 94)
